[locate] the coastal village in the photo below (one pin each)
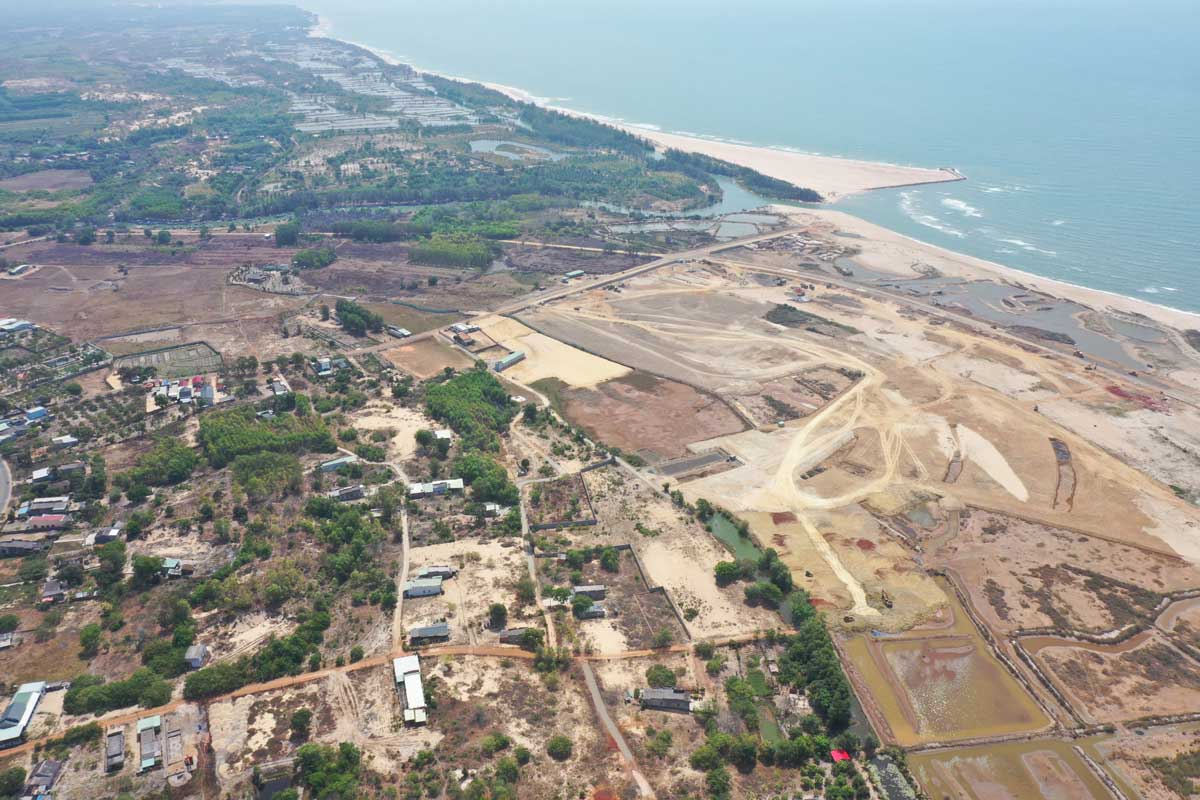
(559, 489)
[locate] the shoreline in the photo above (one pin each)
(955, 264)
(780, 163)
(833, 177)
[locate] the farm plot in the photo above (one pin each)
(487, 573)
(795, 396)
(426, 358)
(676, 552)
(1023, 574)
(562, 502)
(361, 707)
(479, 697)
(1145, 676)
(635, 617)
(642, 413)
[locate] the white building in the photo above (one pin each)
(407, 671)
(435, 488)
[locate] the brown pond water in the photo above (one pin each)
(940, 683)
(1011, 771)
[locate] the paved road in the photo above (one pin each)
(611, 728)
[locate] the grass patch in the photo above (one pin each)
(791, 317)
(552, 388)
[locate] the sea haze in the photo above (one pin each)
(1077, 123)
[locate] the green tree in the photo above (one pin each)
(287, 235)
(146, 571)
(89, 640)
(12, 781)
(497, 616)
(581, 604)
(301, 723)
(162, 238)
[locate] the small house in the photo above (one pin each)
(48, 522)
(437, 571)
(106, 535)
(172, 567)
(114, 750)
(36, 414)
(53, 590)
(19, 712)
(21, 547)
(670, 699)
(43, 475)
(70, 468)
(334, 464)
(149, 733)
(398, 332)
(492, 509)
(508, 361)
(428, 634)
(43, 778)
(59, 504)
(423, 587)
(348, 493)
(434, 488)
(596, 611)
(6, 641)
(594, 591)
(575, 273)
(444, 433)
(196, 656)
(63, 442)
(512, 636)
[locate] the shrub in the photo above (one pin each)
(660, 677)
(559, 748)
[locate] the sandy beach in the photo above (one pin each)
(888, 251)
(832, 177)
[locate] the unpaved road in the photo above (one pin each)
(611, 728)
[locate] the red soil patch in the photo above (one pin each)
(604, 793)
(781, 517)
(779, 540)
(865, 544)
(1145, 400)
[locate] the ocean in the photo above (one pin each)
(1077, 124)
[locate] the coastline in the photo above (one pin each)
(831, 176)
(850, 176)
(888, 251)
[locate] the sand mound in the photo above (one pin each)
(982, 452)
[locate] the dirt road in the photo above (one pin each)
(613, 731)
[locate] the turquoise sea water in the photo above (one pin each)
(1077, 123)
